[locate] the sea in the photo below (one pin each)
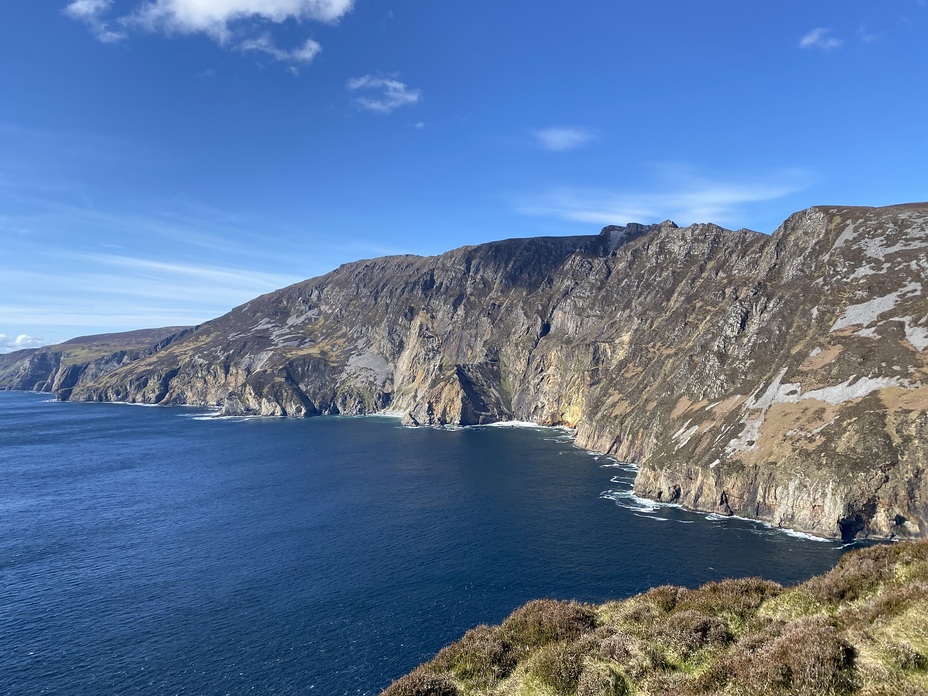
(165, 550)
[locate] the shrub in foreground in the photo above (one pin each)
(481, 658)
(808, 659)
(422, 683)
(545, 621)
(559, 666)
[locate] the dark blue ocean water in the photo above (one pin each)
(148, 550)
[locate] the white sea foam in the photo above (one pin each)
(234, 419)
(622, 466)
(513, 424)
(628, 500)
(797, 534)
(765, 528)
(130, 403)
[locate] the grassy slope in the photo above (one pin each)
(862, 629)
(87, 348)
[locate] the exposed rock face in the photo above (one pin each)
(59, 368)
(783, 377)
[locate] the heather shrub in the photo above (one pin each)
(618, 648)
(891, 602)
(559, 666)
(422, 683)
(687, 631)
(906, 657)
(481, 657)
(641, 613)
(547, 621)
(856, 575)
(737, 597)
(808, 659)
(598, 679)
(669, 684)
(663, 598)
(647, 661)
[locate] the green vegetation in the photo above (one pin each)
(861, 629)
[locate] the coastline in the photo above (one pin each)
(646, 503)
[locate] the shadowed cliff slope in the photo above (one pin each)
(782, 377)
(861, 629)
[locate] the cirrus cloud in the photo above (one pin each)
(682, 195)
(820, 38)
(560, 139)
(389, 93)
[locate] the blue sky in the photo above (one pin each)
(162, 161)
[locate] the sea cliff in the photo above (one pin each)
(779, 377)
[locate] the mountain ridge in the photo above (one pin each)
(780, 378)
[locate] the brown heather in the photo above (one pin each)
(859, 630)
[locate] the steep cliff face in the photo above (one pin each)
(776, 377)
(59, 368)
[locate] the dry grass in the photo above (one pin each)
(861, 629)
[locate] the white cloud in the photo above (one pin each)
(236, 24)
(687, 200)
(389, 93)
(215, 16)
(820, 38)
(563, 139)
(264, 44)
(8, 343)
(91, 12)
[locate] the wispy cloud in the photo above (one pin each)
(560, 139)
(684, 198)
(389, 93)
(821, 39)
(10, 343)
(265, 44)
(91, 13)
(175, 280)
(131, 292)
(235, 24)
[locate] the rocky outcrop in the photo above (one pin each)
(778, 377)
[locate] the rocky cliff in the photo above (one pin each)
(781, 377)
(58, 368)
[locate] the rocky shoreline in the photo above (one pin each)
(782, 378)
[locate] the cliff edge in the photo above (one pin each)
(860, 629)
